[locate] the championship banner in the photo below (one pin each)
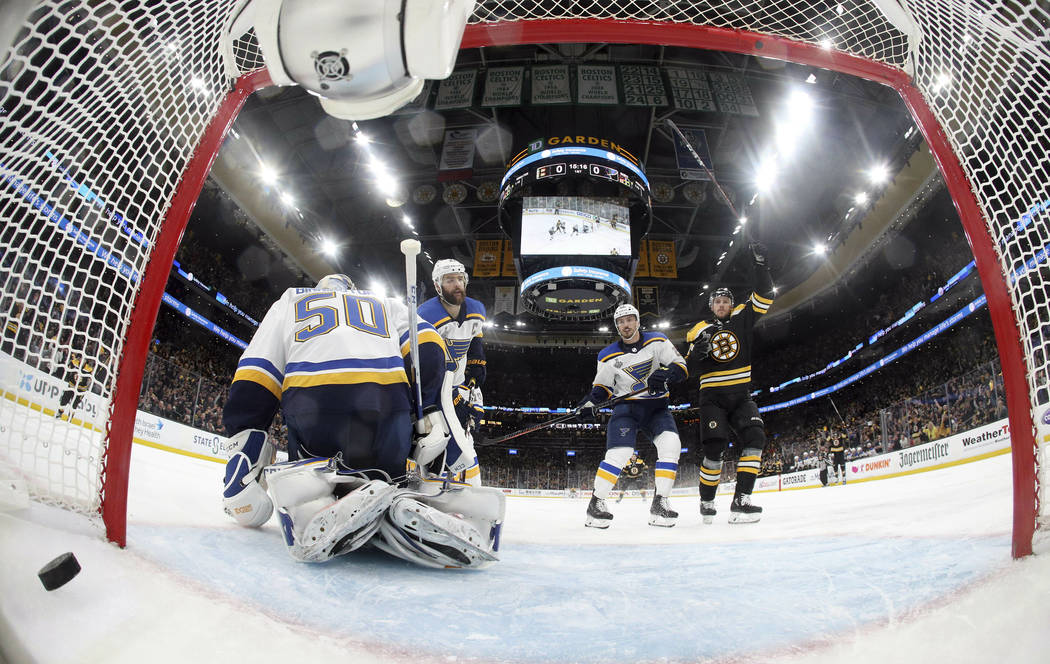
(487, 256)
(550, 85)
(456, 91)
(596, 84)
(503, 86)
(642, 86)
(662, 263)
(733, 94)
(643, 260)
(648, 300)
(689, 89)
(688, 169)
(503, 300)
(508, 269)
(457, 154)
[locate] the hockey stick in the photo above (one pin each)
(689, 146)
(557, 420)
(410, 248)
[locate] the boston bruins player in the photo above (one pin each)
(459, 320)
(632, 476)
(639, 360)
(720, 353)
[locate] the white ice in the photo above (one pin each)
(916, 568)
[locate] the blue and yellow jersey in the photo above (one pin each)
(319, 350)
(462, 334)
(725, 363)
(624, 368)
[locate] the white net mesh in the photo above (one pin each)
(103, 102)
(101, 106)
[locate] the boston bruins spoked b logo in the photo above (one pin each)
(724, 346)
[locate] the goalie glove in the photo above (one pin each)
(243, 498)
(435, 438)
(657, 382)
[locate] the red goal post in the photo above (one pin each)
(113, 114)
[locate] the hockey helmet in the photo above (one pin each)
(625, 310)
(336, 282)
(448, 266)
(720, 292)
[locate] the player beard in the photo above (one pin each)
(454, 297)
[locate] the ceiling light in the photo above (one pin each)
(663, 325)
(861, 197)
(819, 248)
(826, 43)
(767, 175)
(379, 289)
(811, 79)
(800, 109)
(519, 323)
(268, 175)
(603, 328)
(329, 248)
(743, 220)
(362, 138)
(878, 173)
(706, 286)
(287, 199)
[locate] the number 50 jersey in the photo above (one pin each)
(322, 350)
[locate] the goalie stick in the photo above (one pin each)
(557, 420)
(410, 248)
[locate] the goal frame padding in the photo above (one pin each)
(120, 428)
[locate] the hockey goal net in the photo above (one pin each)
(111, 113)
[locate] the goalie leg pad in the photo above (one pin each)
(316, 526)
(243, 497)
(427, 536)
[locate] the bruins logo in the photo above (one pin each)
(724, 346)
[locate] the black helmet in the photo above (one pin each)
(720, 292)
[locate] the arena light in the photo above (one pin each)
(801, 108)
(820, 248)
(268, 175)
(743, 221)
(287, 199)
(663, 325)
(519, 323)
(766, 175)
(861, 197)
(329, 247)
(878, 174)
(378, 288)
(706, 286)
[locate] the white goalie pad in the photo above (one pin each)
(452, 528)
(316, 525)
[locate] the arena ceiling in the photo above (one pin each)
(824, 161)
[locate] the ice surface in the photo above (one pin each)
(906, 569)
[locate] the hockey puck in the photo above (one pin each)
(59, 571)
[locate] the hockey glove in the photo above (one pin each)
(758, 253)
(701, 346)
(587, 410)
(434, 439)
(657, 382)
(474, 372)
(243, 498)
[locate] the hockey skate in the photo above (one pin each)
(597, 515)
(742, 511)
(708, 511)
(661, 514)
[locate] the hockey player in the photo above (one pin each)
(837, 444)
(333, 359)
(632, 476)
(460, 321)
(636, 362)
(78, 375)
(720, 353)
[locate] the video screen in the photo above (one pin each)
(575, 225)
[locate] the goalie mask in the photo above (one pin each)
(336, 282)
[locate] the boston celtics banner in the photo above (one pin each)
(662, 263)
(503, 86)
(596, 84)
(487, 256)
(550, 85)
(456, 91)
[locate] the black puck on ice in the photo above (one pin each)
(59, 571)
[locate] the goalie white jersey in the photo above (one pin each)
(623, 368)
(322, 350)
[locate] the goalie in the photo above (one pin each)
(332, 358)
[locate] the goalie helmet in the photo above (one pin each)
(336, 282)
(447, 266)
(625, 310)
(720, 292)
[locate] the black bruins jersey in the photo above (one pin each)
(725, 364)
(633, 470)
